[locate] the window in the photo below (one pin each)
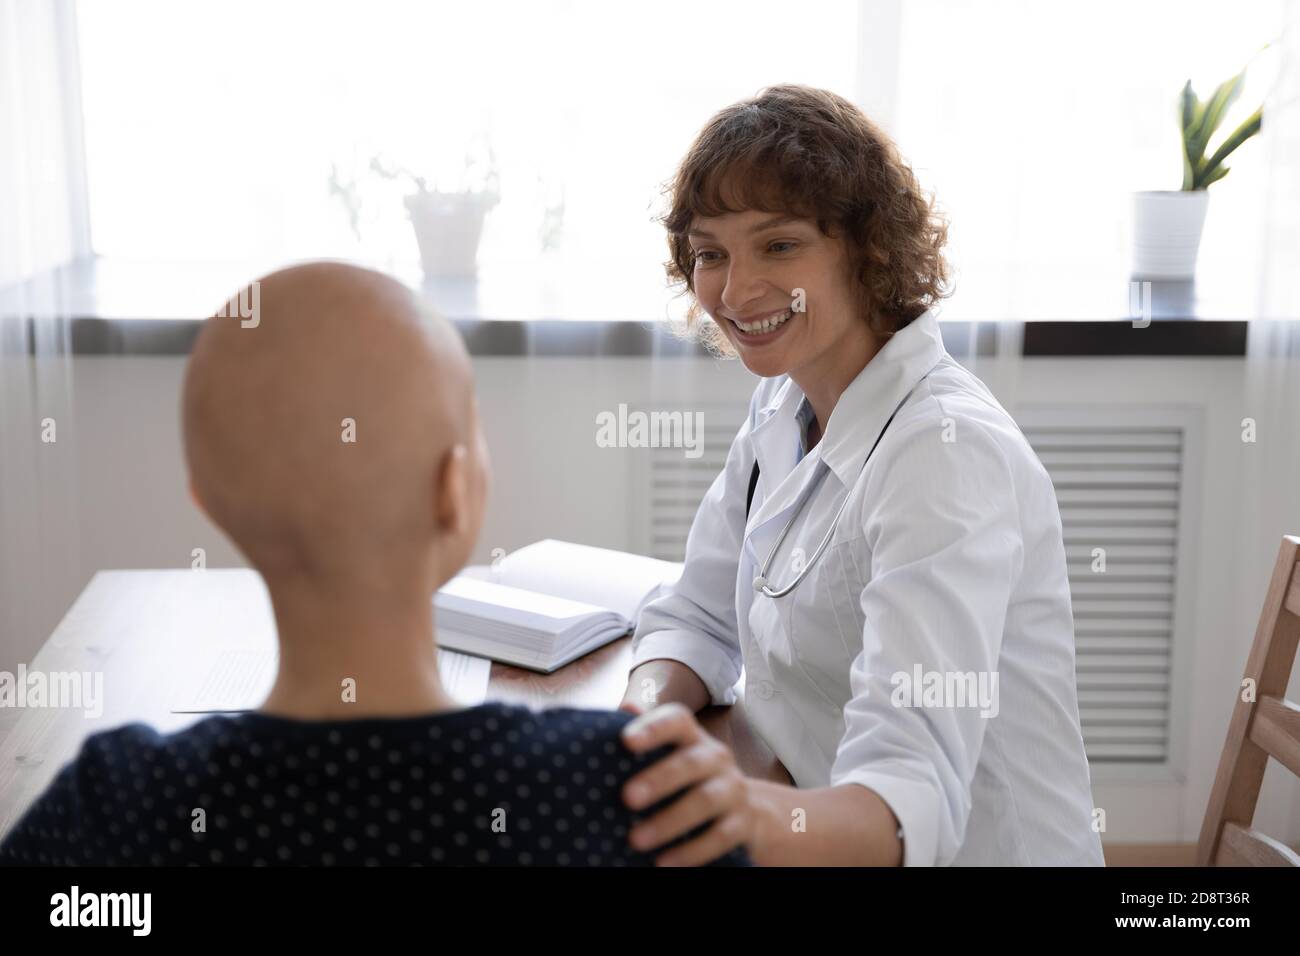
(1035, 122)
(213, 131)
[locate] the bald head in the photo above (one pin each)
(319, 437)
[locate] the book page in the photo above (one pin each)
(622, 582)
(538, 610)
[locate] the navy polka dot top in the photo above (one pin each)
(495, 784)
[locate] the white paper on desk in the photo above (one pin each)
(226, 679)
(240, 678)
(464, 676)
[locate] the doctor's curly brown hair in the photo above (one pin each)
(810, 153)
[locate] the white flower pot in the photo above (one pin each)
(1167, 233)
(448, 227)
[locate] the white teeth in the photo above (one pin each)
(764, 325)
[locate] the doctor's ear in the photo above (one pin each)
(451, 509)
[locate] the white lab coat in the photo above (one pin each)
(948, 559)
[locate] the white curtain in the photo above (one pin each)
(1270, 479)
(43, 225)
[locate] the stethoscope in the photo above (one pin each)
(760, 582)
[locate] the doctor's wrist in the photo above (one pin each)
(770, 805)
(846, 825)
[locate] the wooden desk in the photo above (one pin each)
(140, 629)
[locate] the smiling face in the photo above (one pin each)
(747, 268)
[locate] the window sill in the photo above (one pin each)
(117, 307)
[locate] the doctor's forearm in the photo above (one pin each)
(847, 825)
(664, 681)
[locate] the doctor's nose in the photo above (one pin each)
(744, 288)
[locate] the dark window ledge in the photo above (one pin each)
(131, 308)
(556, 338)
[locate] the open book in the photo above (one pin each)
(549, 603)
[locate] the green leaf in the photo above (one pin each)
(1248, 128)
(1189, 173)
(1224, 96)
(1189, 102)
(1213, 177)
(1192, 147)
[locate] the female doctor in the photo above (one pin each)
(882, 551)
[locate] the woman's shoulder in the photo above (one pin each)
(951, 396)
(955, 419)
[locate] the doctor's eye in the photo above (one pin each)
(782, 242)
(703, 257)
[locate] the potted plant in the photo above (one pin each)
(1168, 223)
(448, 224)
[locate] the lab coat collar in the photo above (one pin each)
(775, 436)
(871, 398)
(859, 415)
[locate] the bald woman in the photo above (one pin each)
(352, 538)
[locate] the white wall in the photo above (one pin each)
(132, 508)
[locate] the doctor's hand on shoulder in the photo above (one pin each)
(776, 823)
(714, 794)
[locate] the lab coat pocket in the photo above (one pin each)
(769, 623)
(825, 625)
